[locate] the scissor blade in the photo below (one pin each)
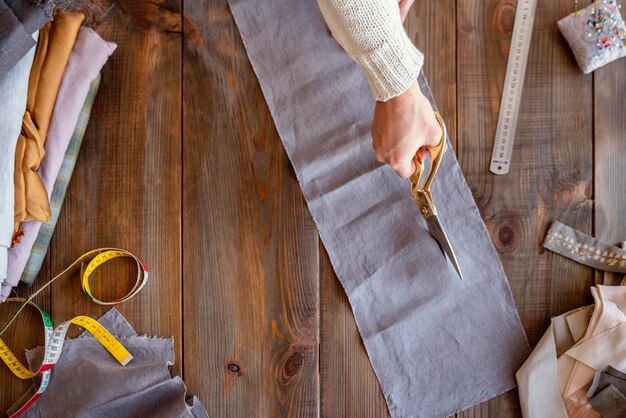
(437, 231)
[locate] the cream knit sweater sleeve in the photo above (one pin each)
(371, 32)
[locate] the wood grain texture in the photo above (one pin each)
(551, 172)
(431, 25)
(251, 291)
(609, 156)
(347, 380)
(25, 332)
(125, 190)
(182, 165)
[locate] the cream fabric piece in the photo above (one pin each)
(554, 380)
(371, 32)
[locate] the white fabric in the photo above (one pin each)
(13, 94)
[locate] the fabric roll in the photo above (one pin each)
(13, 91)
(56, 40)
(89, 55)
(437, 344)
(88, 382)
(40, 247)
(19, 19)
(34, 260)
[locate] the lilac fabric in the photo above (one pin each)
(87, 58)
(13, 94)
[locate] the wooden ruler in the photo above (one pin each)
(513, 84)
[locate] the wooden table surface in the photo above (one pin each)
(182, 165)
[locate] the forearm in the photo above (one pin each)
(371, 32)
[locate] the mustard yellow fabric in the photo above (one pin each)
(56, 40)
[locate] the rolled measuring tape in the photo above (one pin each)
(55, 337)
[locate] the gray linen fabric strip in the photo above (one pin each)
(437, 344)
(585, 249)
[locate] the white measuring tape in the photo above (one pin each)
(55, 337)
(513, 84)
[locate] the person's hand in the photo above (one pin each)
(405, 6)
(401, 126)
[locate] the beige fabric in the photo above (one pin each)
(371, 32)
(554, 380)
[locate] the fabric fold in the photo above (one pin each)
(19, 20)
(88, 382)
(56, 40)
(87, 58)
(560, 376)
(13, 93)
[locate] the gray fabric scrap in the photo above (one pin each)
(608, 376)
(115, 323)
(610, 403)
(437, 344)
(88, 382)
(19, 19)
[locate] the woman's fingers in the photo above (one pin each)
(401, 126)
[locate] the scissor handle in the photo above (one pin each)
(436, 154)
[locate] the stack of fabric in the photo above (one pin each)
(577, 369)
(49, 76)
(87, 381)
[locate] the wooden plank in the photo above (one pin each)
(348, 384)
(432, 27)
(128, 170)
(609, 155)
(251, 289)
(551, 174)
(25, 333)
(125, 190)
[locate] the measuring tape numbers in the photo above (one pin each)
(54, 338)
(513, 84)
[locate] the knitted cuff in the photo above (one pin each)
(391, 68)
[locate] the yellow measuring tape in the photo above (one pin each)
(55, 337)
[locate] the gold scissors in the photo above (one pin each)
(424, 198)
